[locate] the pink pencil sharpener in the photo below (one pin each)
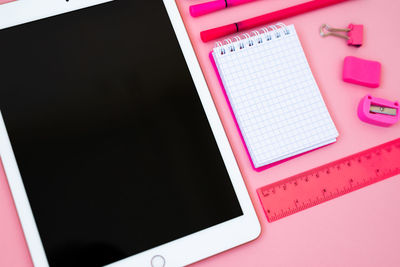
(378, 111)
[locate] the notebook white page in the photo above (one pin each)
(274, 96)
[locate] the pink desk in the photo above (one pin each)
(359, 229)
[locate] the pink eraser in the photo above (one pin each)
(355, 34)
(378, 111)
(361, 71)
(208, 7)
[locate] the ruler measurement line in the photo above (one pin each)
(332, 180)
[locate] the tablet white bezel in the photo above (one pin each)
(179, 252)
(23, 11)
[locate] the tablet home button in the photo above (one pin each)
(157, 261)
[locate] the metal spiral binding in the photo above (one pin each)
(260, 36)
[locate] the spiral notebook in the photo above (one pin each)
(272, 94)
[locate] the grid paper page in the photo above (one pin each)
(275, 98)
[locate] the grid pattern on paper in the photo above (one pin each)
(275, 98)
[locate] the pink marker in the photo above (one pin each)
(222, 31)
(208, 7)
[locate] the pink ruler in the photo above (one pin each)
(329, 181)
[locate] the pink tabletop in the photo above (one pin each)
(358, 229)
(6, 1)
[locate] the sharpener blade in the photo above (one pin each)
(383, 110)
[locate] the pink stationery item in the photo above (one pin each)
(219, 32)
(259, 169)
(378, 111)
(362, 72)
(321, 184)
(354, 34)
(272, 95)
(208, 7)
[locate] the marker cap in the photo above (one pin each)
(205, 8)
(216, 33)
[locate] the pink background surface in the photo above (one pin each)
(358, 229)
(6, 1)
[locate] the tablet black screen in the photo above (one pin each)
(111, 140)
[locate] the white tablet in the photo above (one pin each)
(112, 146)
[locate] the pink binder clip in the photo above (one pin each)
(354, 33)
(378, 111)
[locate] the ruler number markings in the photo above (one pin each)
(329, 181)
